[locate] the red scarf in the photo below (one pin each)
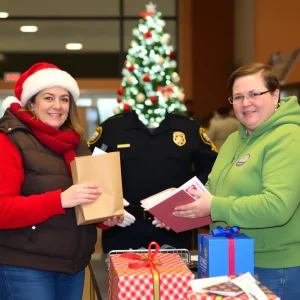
(60, 142)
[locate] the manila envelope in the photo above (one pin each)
(104, 170)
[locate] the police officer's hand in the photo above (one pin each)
(156, 223)
(128, 218)
(115, 220)
(196, 209)
(79, 194)
(160, 224)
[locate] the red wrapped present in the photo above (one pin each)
(152, 276)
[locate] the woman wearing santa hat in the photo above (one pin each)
(43, 253)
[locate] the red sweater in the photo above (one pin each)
(19, 211)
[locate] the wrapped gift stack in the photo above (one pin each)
(227, 253)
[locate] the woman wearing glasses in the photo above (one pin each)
(254, 182)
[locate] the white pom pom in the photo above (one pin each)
(8, 101)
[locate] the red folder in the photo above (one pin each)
(163, 212)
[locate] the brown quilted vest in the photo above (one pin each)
(57, 244)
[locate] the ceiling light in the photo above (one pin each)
(3, 15)
(74, 46)
(29, 28)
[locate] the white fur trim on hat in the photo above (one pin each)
(47, 78)
(8, 101)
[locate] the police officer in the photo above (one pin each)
(152, 160)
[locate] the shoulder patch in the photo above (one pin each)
(206, 140)
(96, 136)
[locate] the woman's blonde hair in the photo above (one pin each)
(72, 121)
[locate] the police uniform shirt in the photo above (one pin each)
(157, 159)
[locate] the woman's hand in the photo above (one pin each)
(79, 194)
(114, 221)
(199, 208)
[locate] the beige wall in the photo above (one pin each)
(244, 47)
(276, 28)
(277, 25)
(262, 27)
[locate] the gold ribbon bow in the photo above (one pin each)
(149, 261)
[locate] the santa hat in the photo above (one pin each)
(38, 77)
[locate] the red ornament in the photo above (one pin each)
(126, 107)
(119, 100)
(153, 99)
(146, 78)
(120, 91)
(131, 68)
(148, 34)
(170, 53)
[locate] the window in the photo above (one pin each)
(106, 108)
(84, 102)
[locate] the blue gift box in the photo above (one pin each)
(225, 252)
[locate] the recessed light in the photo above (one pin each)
(28, 28)
(3, 15)
(74, 46)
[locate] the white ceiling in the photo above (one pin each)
(95, 35)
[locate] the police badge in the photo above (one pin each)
(179, 138)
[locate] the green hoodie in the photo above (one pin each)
(256, 186)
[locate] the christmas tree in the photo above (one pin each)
(149, 77)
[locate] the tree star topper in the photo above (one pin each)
(151, 7)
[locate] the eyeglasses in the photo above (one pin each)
(250, 96)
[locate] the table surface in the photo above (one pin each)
(99, 273)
